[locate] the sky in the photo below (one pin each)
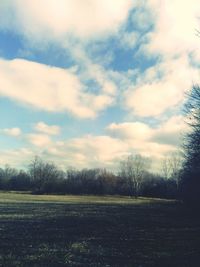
(84, 83)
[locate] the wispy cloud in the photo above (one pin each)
(106, 150)
(161, 87)
(39, 140)
(47, 129)
(15, 132)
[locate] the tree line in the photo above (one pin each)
(133, 179)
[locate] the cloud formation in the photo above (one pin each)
(175, 23)
(47, 129)
(140, 56)
(161, 87)
(49, 88)
(130, 130)
(56, 18)
(39, 140)
(120, 140)
(15, 132)
(170, 37)
(147, 140)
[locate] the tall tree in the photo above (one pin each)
(190, 183)
(133, 169)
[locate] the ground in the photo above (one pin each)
(96, 231)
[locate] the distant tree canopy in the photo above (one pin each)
(133, 179)
(190, 182)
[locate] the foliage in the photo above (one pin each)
(190, 183)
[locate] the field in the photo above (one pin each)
(96, 231)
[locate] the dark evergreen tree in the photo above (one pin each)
(190, 183)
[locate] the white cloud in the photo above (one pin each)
(121, 139)
(55, 18)
(39, 140)
(129, 39)
(153, 99)
(52, 20)
(175, 23)
(149, 94)
(102, 149)
(171, 131)
(11, 131)
(175, 124)
(84, 152)
(142, 17)
(130, 130)
(49, 88)
(171, 36)
(91, 71)
(161, 87)
(47, 129)
(106, 150)
(151, 141)
(18, 158)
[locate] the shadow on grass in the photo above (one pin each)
(48, 234)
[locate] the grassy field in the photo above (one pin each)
(51, 231)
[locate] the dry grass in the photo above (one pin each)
(96, 231)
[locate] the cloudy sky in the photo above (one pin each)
(86, 82)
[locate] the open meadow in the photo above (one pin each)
(40, 230)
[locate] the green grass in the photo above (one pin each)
(96, 231)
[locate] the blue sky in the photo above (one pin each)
(86, 83)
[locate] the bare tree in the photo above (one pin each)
(171, 167)
(44, 174)
(133, 169)
(176, 162)
(166, 167)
